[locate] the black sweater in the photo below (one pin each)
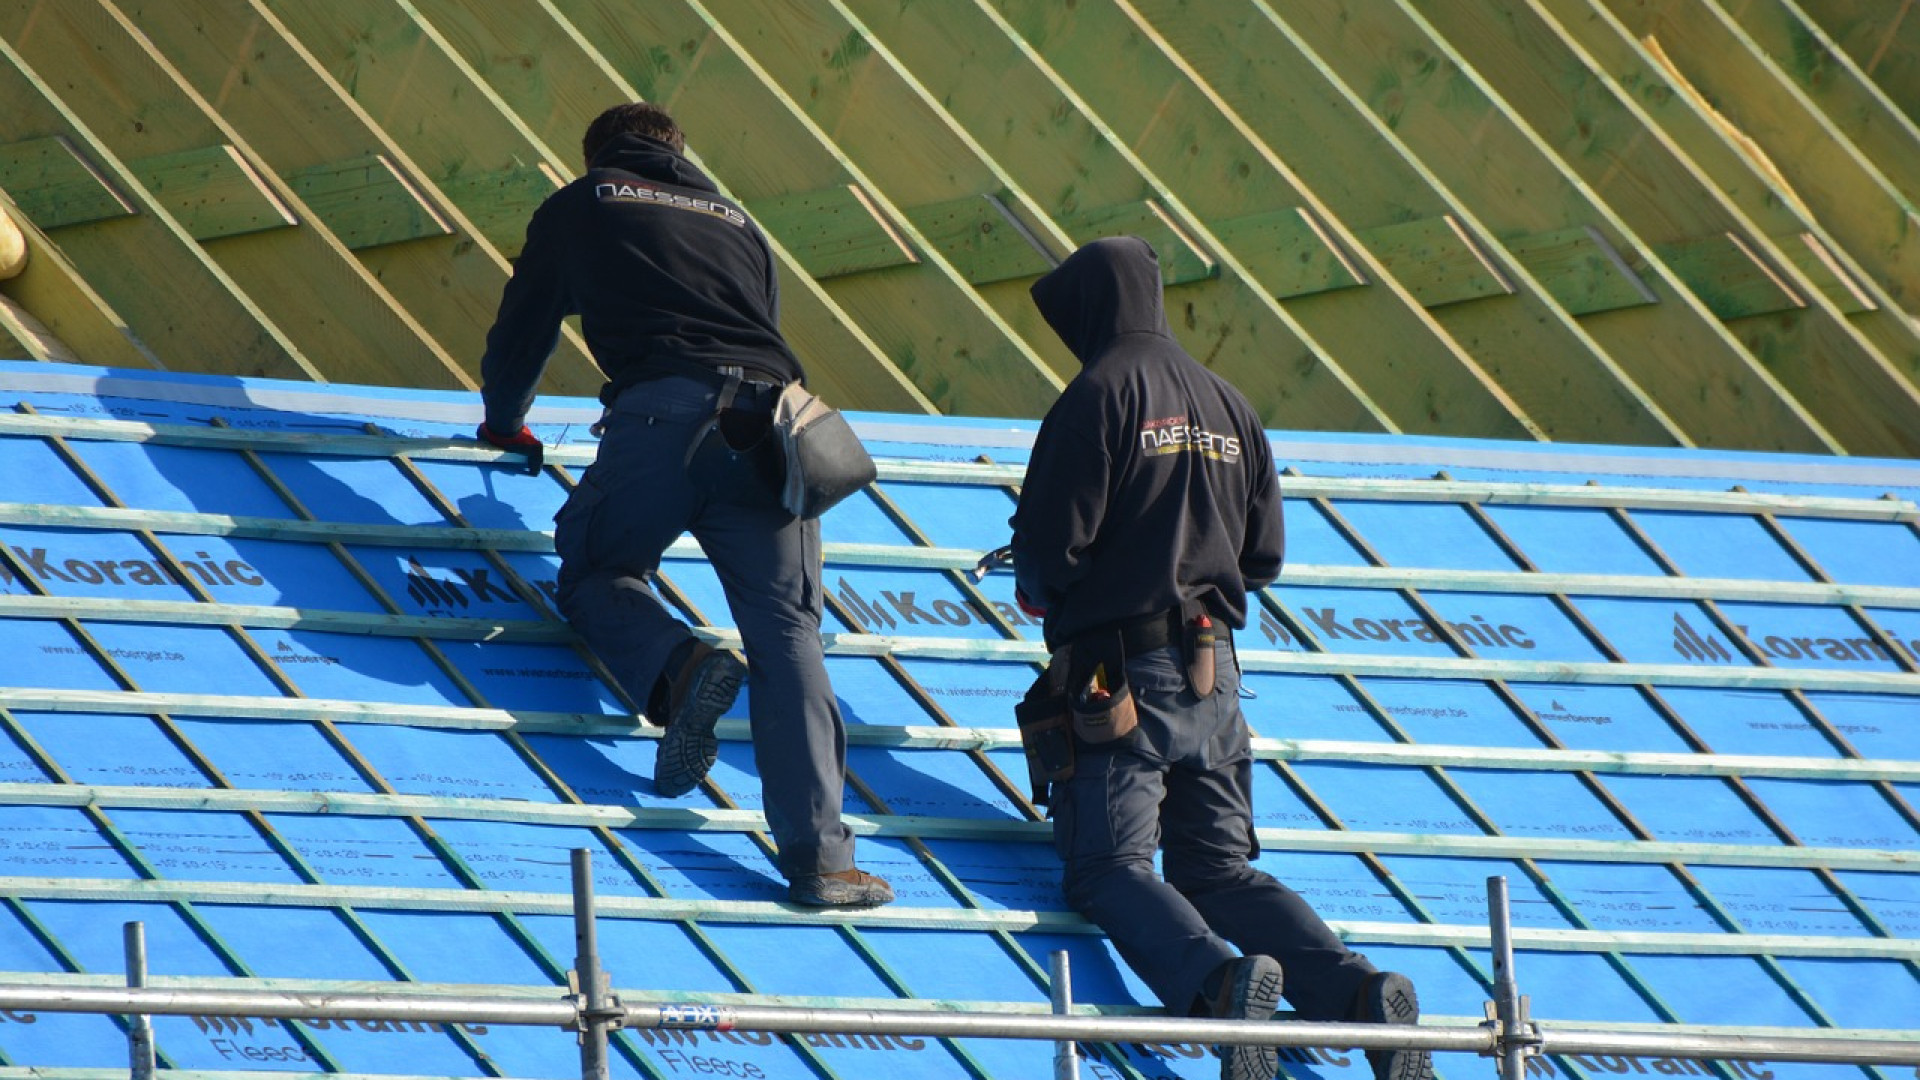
(1151, 480)
(666, 275)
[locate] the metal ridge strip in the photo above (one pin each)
(1884, 508)
(769, 912)
(702, 819)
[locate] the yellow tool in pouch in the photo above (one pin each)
(1103, 707)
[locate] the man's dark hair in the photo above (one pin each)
(633, 118)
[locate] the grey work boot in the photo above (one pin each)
(841, 889)
(1250, 990)
(697, 695)
(1388, 998)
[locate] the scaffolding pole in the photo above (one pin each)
(591, 1010)
(139, 1027)
(1897, 1048)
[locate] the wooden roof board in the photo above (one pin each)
(50, 295)
(345, 321)
(1705, 239)
(1884, 43)
(1356, 166)
(1778, 215)
(758, 142)
(355, 179)
(1849, 194)
(174, 297)
(1165, 127)
(1458, 125)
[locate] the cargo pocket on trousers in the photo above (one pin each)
(573, 522)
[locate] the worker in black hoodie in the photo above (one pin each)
(1150, 509)
(679, 301)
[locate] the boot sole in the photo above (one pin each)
(1393, 1002)
(1254, 999)
(688, 748)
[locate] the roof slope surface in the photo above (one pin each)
(284, 685)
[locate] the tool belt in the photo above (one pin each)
(1083, 697)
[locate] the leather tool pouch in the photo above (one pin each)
(1046, 730)
(1103, 707)
(1199, 634)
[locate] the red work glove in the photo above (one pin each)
(520, 442)
(1032, 610)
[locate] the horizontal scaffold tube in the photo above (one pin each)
(1897, 1048)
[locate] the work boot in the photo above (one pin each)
(840, 889)
(1388, 998)
(1249, 990)
(697, 694)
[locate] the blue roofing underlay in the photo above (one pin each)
(330, 794)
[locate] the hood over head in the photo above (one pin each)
(653, 159)
(1107, 288)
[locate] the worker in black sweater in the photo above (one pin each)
(1150, 510)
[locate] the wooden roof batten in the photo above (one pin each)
(1571, 220)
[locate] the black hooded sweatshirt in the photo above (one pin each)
(667, 276)
(1151, 480)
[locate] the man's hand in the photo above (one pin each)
(520, 442)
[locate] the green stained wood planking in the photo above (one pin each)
(980, 237)
(1454, 120)
(1729, 277)
(213, 192)
(833, 231)
(934, 336)
(1584, 273)
(51, 296)
(1760, 107)
(1438, 261)
(1882, 37)
(367, 202)
(1821, 266)
(570, 82)
(1299, 117)
(173, 297)
(1291, 252)
(54, 185)
(355, 179)
(1642, 79)
(1039, 121)
(348, 326)
(1828, 79)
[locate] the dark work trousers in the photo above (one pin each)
(636, 499)
(1183, 781)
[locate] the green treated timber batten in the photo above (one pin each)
(54, 185)
(833, 231)
(500, 202)
(975, 236)
(1817, 263)
(212, 192)
(1289, 253)
(1437, 260)
(1181, 261)
(366, 202)
(1581, 271)
(1729, 277)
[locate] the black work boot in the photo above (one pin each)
(698, 692)
(1388, 998)
(1249, 990)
